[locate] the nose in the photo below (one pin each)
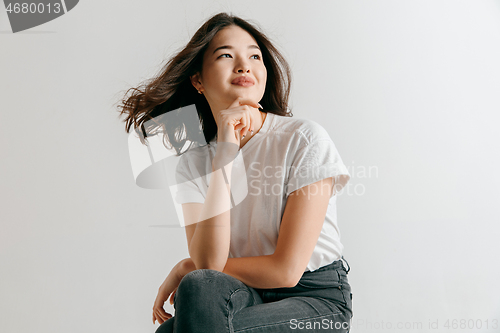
(242, 67)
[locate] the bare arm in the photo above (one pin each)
(209, 244)
(301, 225)
(259, 272)
(299, 231)
(263, 272)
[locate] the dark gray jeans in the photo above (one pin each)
(214, 302)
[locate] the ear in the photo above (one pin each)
(196, 82)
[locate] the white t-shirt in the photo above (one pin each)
(284, 155)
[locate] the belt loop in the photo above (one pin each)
(348, 267)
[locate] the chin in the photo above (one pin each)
(245, 92)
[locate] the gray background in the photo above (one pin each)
(408, 87)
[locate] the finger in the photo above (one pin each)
(165, 318)
(161, 312)
(258, 116)
(249, 122)
(246, 101)
(172, 297)
(242, 121)
(159, 317)
(236, 102)
(245, 124)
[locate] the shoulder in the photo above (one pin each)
(306, 130)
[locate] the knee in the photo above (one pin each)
(201, 282)
(167, 326)
(201, 275)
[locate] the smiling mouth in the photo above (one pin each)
(243, 84)
(243, 81)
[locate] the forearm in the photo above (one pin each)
(209, 246)
(262, 272)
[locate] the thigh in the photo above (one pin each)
(320, 302)
(307, 314)
(211, 292)
(329, 283)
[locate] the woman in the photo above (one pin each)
(271, 262)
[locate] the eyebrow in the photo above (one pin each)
(230, 47)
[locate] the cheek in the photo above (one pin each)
(263, 76)
(212, 78)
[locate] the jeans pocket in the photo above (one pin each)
(346, 289)
(320, 280)
(326, 284)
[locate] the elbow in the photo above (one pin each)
(292, 281)
(291, 277)
(212, 267)
(288, 272)
(207, 264)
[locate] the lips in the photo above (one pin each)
(244, 81)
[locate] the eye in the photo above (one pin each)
(227, 54)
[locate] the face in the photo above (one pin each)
(231, 54)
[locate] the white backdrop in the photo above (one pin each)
(408, 88)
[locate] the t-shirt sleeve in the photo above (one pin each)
(188, 189)
(315, 161)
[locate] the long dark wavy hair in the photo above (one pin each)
(172, 89)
